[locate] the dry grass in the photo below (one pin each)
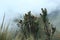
(6, 35)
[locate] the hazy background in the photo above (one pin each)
(14, 8)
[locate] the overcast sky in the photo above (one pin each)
(12, 8)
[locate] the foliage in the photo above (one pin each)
(32, 25)
(32, 28)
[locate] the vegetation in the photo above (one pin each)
(31, 28)
(32, 25)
